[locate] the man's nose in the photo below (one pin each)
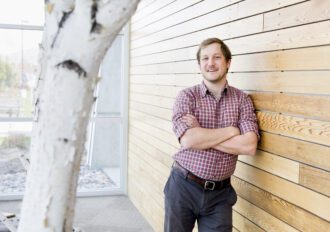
(211, 61)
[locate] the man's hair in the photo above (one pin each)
(224, 48)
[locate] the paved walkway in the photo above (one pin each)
(100, 214)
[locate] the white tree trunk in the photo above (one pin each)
(76, 37)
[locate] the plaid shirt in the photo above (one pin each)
(234, 108)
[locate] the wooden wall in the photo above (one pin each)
(281, 57)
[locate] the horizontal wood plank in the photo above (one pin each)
(185, 17)
(304, 152)
(260, 217)
(163, 13)
(167, 79)
(164, 159)
(316, 179)
(316, 203)
(296, 216)
(243, 224)
(306, 12)
(300, 128)
(301, 105)
(151, 8)
(285, 168)
(166, 91)
(168, 149)
(160, 123)
(286, 82)
(166, 137)
(153, 110)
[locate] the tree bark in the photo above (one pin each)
(76, 37)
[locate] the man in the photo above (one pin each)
(214, 123)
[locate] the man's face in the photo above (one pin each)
(213, 64)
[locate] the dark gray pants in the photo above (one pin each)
(186, 202)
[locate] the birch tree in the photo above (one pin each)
(76, 37)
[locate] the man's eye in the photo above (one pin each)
(205, 58)
(218, 57)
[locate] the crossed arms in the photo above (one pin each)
(226, 139)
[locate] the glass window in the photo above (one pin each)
(110, 98)
(19, 69)
(107, 132)
(22, 12)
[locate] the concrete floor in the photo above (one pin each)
(100, 214)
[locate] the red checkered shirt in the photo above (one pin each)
(234, 108)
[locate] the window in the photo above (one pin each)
(107, 130)
(18, 74)
(103, 166)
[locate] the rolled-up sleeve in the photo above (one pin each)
(248, 120)
(183, 105)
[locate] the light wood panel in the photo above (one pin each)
(153, 110)
(283, 210)
(281, 58)
(308, 106)
(168, 138)
(153, 100)
(166, 91)
(169, 79)
(168, 149)
(158, 155)
(316, 203)
(304, 152)
(290, 82)
(247, 42)
(147, 171)
(182, 17)
(221, 16)
(274, 164)
(151, 8)
(300, 128)
(243, 224)
(163, 13)
(160, 123)
(235, 230)
(261, 218)
(307, 12)
(316, 179)
(250, 25)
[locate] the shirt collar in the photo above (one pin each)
(204, 91)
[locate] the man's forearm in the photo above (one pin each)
(202, 138)
(245, 144)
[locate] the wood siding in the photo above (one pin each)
(281, 58)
